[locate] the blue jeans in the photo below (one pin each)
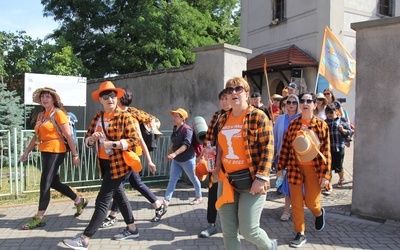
(243, 215)
(175, 173)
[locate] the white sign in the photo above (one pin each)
(71, 89)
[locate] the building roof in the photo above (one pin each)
(282, 58)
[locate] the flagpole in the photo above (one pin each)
(316, 84)
(320, 59)
(269, 94)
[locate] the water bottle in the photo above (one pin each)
(210, 157)
(279, 180)
(108, 151)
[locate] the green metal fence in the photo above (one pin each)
(17, 178)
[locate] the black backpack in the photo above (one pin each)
(149, 137)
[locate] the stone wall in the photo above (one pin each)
(376, 149)
(194, 88)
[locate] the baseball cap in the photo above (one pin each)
(255, 94)
(180, 111)
(292, 85)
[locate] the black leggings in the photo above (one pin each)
(137, 183)
(51, 179)
(212, 199)
(109, 188)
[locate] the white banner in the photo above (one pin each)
(71, 89)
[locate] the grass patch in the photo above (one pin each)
(32, 198)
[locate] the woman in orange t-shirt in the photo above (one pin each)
(52, 147)
(246, 146)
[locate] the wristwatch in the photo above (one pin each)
(114, 145)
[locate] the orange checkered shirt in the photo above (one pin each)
(287, 158)
(121, 126)
(259, 140)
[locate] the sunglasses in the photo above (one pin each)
(291, 103)
(106, 96)
(329, 112)
(327, 93)
(309, 101)
(237, 89)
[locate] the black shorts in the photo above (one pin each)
(337, 161)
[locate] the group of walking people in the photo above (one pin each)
(244, 149)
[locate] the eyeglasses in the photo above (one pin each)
(237, 89)
(309, 101)
(327, 93)
(291, 102)
(106, 96)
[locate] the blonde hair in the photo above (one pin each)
(238, 81)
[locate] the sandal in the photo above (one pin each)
(196, 201)
(285, 216)
(340, 183)
(159, 213)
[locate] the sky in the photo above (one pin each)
(27, 15)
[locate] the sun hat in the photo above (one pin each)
(38, 92)
(321, 96)
(276, 97)
(180, 111)
(306, 146)
(155, 126)
(105, 86)
(201, 170)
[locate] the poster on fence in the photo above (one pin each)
(71, 89)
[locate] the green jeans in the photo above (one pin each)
(243, 215)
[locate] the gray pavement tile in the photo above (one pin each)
(180, 227)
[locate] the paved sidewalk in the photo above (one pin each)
(180, 226)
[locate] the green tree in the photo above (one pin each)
(12, 114)
(11, 109)
(21, 54)
(124, 36)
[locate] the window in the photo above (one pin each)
(386, 7)
(279, 7)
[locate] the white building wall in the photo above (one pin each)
(304, 27)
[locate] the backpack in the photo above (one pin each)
(149, 137)
(72, 119)
(195, 145)
(149, 125)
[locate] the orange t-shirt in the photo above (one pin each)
(107, 117)
(232, 144)
(50, 140)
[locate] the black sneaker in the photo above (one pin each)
(320, 221)
(159, 213)
(127, 234)
(298, 241)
